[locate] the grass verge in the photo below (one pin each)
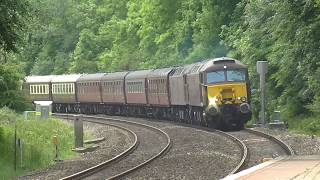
(309, 125)
(37, 150)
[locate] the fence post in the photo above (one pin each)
(56, 142)
(20, 145)
(15, 146)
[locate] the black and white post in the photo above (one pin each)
(262, 69)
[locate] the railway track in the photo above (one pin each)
(254, 146)
(260, 146)
(151, 143)
(244, 152)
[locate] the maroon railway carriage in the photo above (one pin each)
(113, 92)
(158, 87)
(136, 92)
(158, 92)
(89, 92)
(113, 88)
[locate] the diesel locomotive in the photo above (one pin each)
(213, 93)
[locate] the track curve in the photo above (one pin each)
(261, 145)
(107, 170)
(242, 146)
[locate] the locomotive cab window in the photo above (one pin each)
(228, 75)
(236, 75)
(215, 77)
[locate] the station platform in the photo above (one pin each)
(283, 168)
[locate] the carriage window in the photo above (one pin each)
(236, 75)
(215, 77)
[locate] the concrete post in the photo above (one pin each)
(262, 69)
(262, 98)
(78, 131)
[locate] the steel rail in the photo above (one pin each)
(278, 141)
(97, 167)
(244, 150)
(242, 146)
(289, 151)
(104, 164)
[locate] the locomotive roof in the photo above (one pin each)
(181, 70)
(91, 77)
(220, 63)
(66, 78)
(115, 76)
(38, 79)
(138, 74)
(160, 72)
(194, 68)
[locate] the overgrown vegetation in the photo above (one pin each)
(38, 149)
(305, 125)
(286, 34)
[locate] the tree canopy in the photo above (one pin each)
(87, 36)
(11, 22)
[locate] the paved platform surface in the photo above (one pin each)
(293, 168)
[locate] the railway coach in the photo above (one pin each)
(214, 93)
(38, 88)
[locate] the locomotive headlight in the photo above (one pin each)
(211, 110)
(213, 100)
(243, 99)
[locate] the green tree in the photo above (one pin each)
(11, 94)
(12, 14)
(286, 34)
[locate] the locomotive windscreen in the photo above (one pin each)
(215, 77)
(229, 75)
(236, 75)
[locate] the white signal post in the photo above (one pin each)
(262, 69)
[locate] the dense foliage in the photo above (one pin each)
(12, 21)
(11, 13)
(107, 35)
(85, 36)
(287, 35)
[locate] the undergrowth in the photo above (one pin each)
(38, 150)
(309, 125)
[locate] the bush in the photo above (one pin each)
(7, 115)
(305, 124)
